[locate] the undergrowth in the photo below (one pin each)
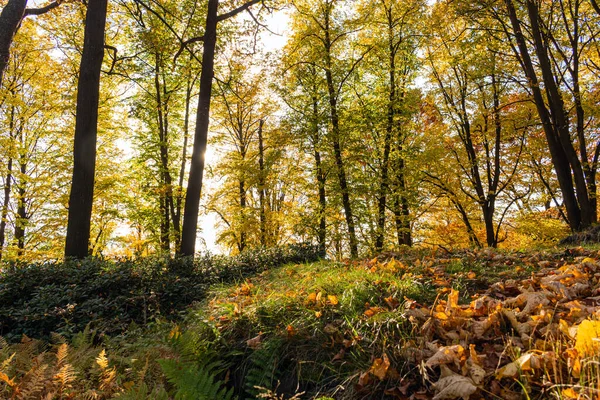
(416, 325)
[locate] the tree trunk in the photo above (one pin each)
(166, 189)
(81, 198)
(21, 217)
(242, 243)
(7, 185)
(337, 150)
(10, 20)
(401, 208)
(387, 145)
(186, 127)
(559, 157)
(192, 198)
(261, 185)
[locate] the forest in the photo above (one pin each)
(293, 199)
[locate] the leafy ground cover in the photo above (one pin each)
(65, 297)
(417, 325)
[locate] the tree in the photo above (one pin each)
(194, 188)
(86, 125)
(553, 71)
(10, 20)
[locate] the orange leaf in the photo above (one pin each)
(291, 331)
(471, 275)
(333, 300)
(380, 367)
(392, 302)
(318, 314)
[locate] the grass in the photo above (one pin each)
(356, 330)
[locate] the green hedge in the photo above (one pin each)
(64, 297)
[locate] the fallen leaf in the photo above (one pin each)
(454, 387)
(587, 341)
(333, 300)
(380, 367)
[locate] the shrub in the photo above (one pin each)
(65, 297)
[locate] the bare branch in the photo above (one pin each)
(238, 10)
(42, 10)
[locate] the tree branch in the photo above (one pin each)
(238, 10)
(42, 10)
(184, 45)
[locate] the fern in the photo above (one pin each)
(195, 382)
(263, 367)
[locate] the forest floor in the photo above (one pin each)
(413, 325)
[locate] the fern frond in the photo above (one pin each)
(34, 382)
(102, 360)
(61, 355)
(193, 382)
(65, 376)
(7, 362)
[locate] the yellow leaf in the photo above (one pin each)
(569, 393)
(175, 333)
(319, 296)
(311, 298)
(471, 275)
(318, 314)
(333, 300)
(587, 341)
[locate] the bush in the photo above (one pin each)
(65, 297)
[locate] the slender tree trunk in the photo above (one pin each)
(401, 207)
(5, 204)
(81, 198)
(559, 157)
(7, 185)
(192, 198)
(10, 20)
(261, 185)
(387, 144)
(186, 129)
(21, 217)
(242, 244)
(166, 191)
(337, 149)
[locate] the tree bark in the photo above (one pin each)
(321, 179)
(10, 20)
(337, 149)
(166, 189)
(192, 198)
(7, 184)
(21, 217)
(560, 160)
(81, 198)
(387, 145)
(261, 185)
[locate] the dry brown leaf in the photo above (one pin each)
(380, 367)
(454, 387)
(447, 355)
(255, 342)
